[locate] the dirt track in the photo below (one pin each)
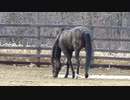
(34, 76)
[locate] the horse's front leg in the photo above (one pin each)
(77, 62)
(67, 70)
(68, 54)
(72, 69)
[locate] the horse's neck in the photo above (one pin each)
(56, 52)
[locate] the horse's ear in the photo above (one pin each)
(62, 65)
(62, 29)
(59, 31)
(52, 60)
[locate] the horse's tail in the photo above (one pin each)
(88, 48)
(55, 45)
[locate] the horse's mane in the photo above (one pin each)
(55, 46)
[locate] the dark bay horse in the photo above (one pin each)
(68, 41)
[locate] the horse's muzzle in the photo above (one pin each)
(55, 75)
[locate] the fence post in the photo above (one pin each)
(38, 47)
(92, 41)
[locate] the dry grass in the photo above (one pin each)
(112, 62)
(48, 52)
(35, 76)
(28, 59)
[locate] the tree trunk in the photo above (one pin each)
(119, 23)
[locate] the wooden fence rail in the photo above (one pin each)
(38, 55)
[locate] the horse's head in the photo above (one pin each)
(56, 55)
(56, 65)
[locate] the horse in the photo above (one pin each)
(68, 41)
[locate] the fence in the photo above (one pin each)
(39, 48)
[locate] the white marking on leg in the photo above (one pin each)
(76, 76)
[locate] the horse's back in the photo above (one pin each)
(73, 38)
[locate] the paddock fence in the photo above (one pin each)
(38, 48)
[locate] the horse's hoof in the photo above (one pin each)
(66, 77)
(86, 75)
(73, 77)
(76, 76)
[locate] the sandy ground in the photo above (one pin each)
(34, 76)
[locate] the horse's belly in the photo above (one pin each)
(66, 44)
